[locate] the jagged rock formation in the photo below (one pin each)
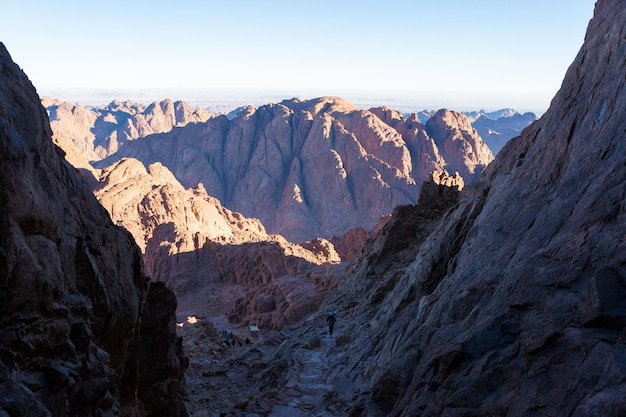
(382, 259)
(143, 200)
(457, 142)
(314, 168)
(494, 127)
(99, 132)
(378, 266)
(78, 159)
(348, 245)
(286, 299)
(514, 305)
(191, 242)
(505, 113)
(80, 324)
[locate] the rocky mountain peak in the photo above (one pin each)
(447, 120)
(97, 132)
(328, 104)
(387, 115)
(459, 143)
(311, 168)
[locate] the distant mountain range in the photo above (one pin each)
(495, 127)
(98, 132)
(305, 168)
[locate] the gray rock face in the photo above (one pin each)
(315, 168)
(75, 305)
(514, 305)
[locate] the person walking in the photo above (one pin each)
(331, 322)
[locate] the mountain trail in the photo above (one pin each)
(308, 392)
(250, 380)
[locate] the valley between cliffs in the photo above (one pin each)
(506, 300)
(495, 289)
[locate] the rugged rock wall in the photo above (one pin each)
(515, 303)
(145, 199)
(75, 306)
(315, 168)
(189, 240)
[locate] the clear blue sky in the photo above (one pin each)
(472, 52)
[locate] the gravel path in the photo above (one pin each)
(224, 381)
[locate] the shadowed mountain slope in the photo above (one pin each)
(190, 242)
(82, 330)
(515, 304)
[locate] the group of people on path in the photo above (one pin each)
(229, 339)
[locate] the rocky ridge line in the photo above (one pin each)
(191, 242)
(100, 131)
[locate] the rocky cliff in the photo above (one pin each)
(514, 305)
(82, 330)
(190, 242)
(314, 168)
(510, 300)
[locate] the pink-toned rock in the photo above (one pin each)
(348, 245)
(286, 300)
(144, 200)
(189, 240)
(459, 144)
(314, 168)
(99, 132)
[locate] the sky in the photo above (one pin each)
(459, 54)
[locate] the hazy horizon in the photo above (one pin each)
(456, 54)
(407, 102)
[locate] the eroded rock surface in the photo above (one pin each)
(100, 131)
(314, 168)
(76, 309)
(514, 305)
(191, 242)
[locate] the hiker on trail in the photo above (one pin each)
(331, 322)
